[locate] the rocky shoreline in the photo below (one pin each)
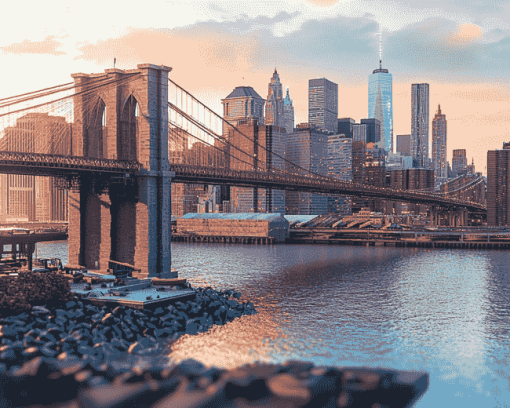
(77, 354)
(98, 334)
(72, 382)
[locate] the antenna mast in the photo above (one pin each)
(380, 50)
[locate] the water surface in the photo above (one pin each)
(443, 311)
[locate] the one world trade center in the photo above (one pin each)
(380, 104)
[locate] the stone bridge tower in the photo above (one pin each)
(123, 115)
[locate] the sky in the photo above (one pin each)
(460, 47)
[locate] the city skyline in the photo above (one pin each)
(215, 46)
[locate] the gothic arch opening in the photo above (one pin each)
(93, 140)
(127, 140)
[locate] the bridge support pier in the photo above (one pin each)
(128, 222)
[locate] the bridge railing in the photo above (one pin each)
(280, 180)
(55, 161)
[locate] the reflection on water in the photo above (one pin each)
(443, 311)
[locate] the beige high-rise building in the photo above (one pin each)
(31, 198)
(439, 147)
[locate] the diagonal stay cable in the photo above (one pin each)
(50, 92)
(85, 92)
(208, 131)
(34, 92)
(223, 140)
(65, 97)
(173, 130)
(237, 130)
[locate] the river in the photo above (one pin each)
(443, 311)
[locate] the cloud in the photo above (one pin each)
(481, 6)
(48, 46)
(323, 3)
(438, 48)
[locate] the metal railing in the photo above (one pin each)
(61, 162)
(276, 180)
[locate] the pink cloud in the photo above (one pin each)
(48, 46)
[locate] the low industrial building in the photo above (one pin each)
(239, 225)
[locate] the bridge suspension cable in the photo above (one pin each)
(49, 92)
(88, 90)
(64, 110)
(212, 134)
(176, 133)
(34, 92)
(295, 166)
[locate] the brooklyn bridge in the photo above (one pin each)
(117, 140)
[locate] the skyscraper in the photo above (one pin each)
(420, 124)
(288, 113)
(374, 130)
(340, 167)
(307, 147)
(404, 145)
(274, 102)
(323, 104)
(241, 104)
(439, 147)
(249, 142)
(345, 126)
(498, 179)
(380, 103)
(35, 198)
(359, 132)
(459, 162)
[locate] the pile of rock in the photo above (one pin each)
(98, 334)
(149, 382)
(20, 293)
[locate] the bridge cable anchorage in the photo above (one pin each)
(68, 108)
(248, 138)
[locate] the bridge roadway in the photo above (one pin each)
(31, 237)
(208, 175)
(74, 166)
(37, 164)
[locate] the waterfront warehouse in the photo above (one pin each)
(273, 226)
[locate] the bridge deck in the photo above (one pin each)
(73, 166)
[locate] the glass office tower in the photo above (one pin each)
(380, 104)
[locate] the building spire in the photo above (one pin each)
(380, 50)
